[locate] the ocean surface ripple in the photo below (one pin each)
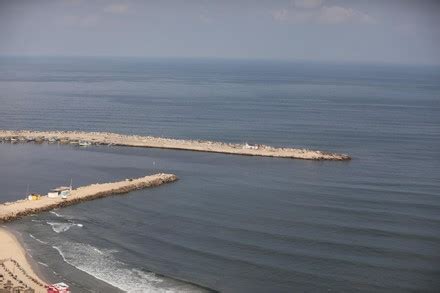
(234, 224)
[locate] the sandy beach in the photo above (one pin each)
(106, 138)
(15, 268)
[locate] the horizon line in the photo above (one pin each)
(261, 59)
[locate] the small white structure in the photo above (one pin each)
(62, 191)
(250, 146)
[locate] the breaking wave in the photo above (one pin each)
(58, 227)
(104, 266)
(36, 239)
(56, 214)
(43, 264)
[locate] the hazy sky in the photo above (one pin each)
(330, 30)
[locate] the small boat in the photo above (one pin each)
(84, 143)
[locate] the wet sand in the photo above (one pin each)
(12, 210)
(106, 138)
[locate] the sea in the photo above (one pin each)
(231, 223)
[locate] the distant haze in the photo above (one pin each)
(321, 30)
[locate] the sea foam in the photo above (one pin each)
(104, 266)
(58, 227)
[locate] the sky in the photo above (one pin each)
(391, 31)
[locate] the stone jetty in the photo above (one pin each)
(12, 210)
(105, 138)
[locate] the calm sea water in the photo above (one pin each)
(231, 223)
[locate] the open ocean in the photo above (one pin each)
(232, 223)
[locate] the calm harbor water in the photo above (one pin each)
(231, 223)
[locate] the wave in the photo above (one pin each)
(43, 264)
(56, 214)
(36, 239)
(58, 227)
(104, 266)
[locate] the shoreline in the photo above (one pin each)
(10, 211)
(35, 266)
(48, 273)
(18, 267)
(16, 260)
(107, 138)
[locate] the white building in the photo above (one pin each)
(62, 191)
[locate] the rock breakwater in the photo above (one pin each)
(13, 210)
(106, 138)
